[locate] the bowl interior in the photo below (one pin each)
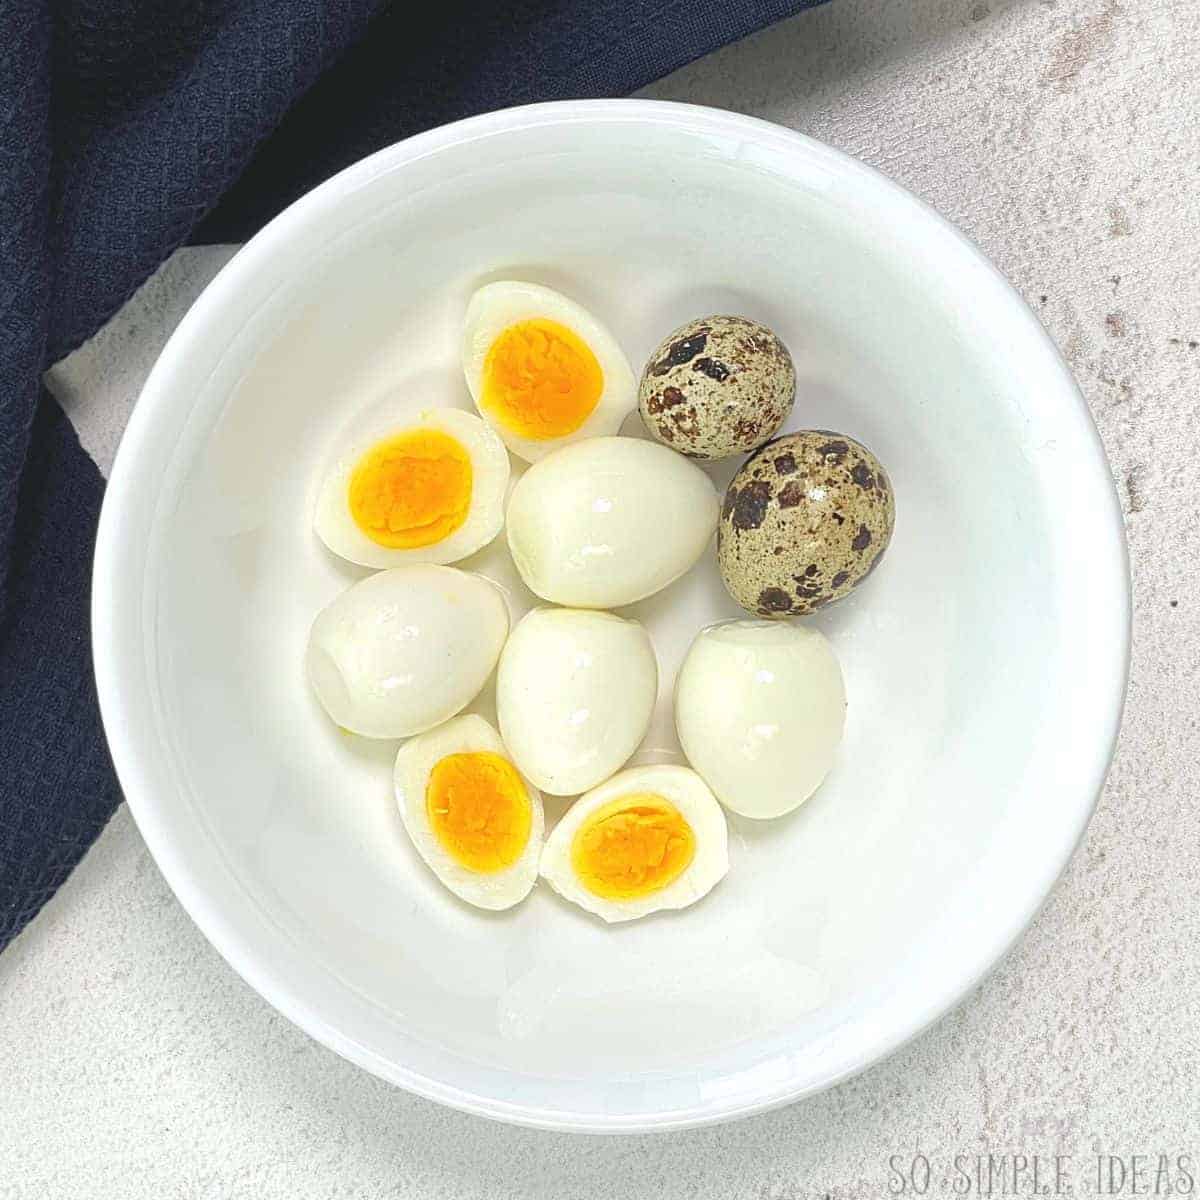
(984, 659)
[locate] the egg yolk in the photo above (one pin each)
(540, 380)
(632, 847)
(479, 810)
(411, 490)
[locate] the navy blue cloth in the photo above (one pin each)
(129, 127)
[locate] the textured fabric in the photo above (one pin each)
(128, 127)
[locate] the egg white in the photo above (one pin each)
(469, 734)
(335, 525)
(697, 805)
(609, 521)
(760, 708)
(404, 650)
(495, 307)
(575, 691)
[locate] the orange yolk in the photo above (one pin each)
(632, 847)
(540, 380)
(411, 490)
(479, 810)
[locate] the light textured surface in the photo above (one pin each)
(1062, 137)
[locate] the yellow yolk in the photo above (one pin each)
(479, 810)
(411, 490)
(540, 380)
(632, 847)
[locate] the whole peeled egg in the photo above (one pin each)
(717, 386)
(575, 691)
(760, 708)
(406, 649)
(805, 520)
(609, 521)
(542, 370)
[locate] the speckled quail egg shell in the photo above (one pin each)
(805, 520)
(717, 386)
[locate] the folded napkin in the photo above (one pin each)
(128, 127)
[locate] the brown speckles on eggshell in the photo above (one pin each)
(717, 386)
(834, 451)
(668, 398)
(712, 368)
(747, 430)
(812, 531)
(680, 350)
(774, 600)
(863, 475)
(790, 495)
(750, 505)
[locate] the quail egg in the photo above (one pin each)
(404, 488)
(609, 521)
(404, 650)
(759, 709)
(650, 838)
(805, 520)
(541, 369)
(717, 386)
(477, 824)
(575, 692)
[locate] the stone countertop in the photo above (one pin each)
(1064, 137)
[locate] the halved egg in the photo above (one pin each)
(542, 370)
(403, 489)
(472, 817)
(650, 838)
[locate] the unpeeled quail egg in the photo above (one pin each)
(804, 522)
(717, 386)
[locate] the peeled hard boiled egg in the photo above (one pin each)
(477, 824)
(542, 370)
(609, 521)
(402, 489)
(406, 649)
(574, 693)
(759, 708)
(650, 838)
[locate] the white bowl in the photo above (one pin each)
(985, 660)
